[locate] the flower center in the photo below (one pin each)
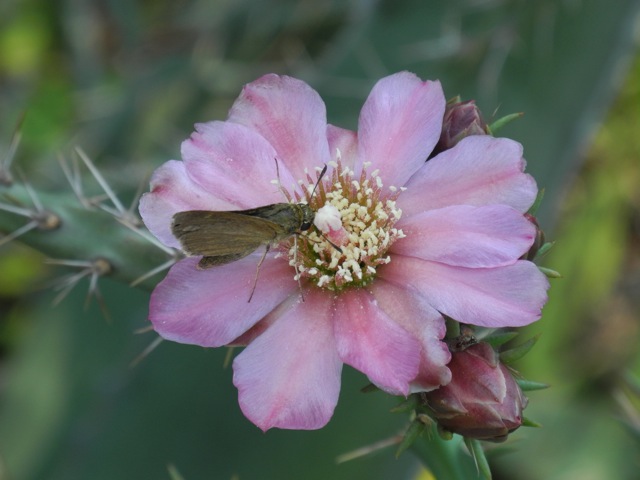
(353, 230)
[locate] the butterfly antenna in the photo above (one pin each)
(324, 170)
(279, 183)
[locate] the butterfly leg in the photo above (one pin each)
(255, 282)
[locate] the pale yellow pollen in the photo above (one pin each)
(367, 213)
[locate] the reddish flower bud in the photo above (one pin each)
(539, 240)
(461, 119)
(482, 400)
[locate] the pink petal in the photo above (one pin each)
(343, 145)
(480, 170)
(289, 377)
(399, 126)
(290, 115)
(413, 313)
(466, 236)
(509, 296)
(236, 163)
(172, 190)
(370, 341)
(210, 307)
(482, 361)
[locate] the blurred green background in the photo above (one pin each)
(126, 80)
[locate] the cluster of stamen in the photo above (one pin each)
(367, 212)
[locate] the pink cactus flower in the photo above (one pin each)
(401, 243)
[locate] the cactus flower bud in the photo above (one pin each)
(461, 119)
(482, 401)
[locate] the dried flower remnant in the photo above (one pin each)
(415, 240)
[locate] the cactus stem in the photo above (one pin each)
(175, 254)
(136, 198)
(75, 181)
(152, 272)
(43, 219)
(150, 348)
(150, 238)
(46, 220)
(24, 212)
(32, 194)
(449, 44)
(126, 218)
(100, 179)
(148, 328)
(6, 178)
(369, 449)
(21, 231)
(39, 217)
(119, 212)
(94, 269)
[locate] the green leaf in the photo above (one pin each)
(527, 422)
(536, 204)
(550, 273)
(544, 249)
(370, 388)
(416, 428)
(445, 459)
(500, 338)
(477, 452)
(406, 405)
(516, 353)
(529, 386)
(501, 122)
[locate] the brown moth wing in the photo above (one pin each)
(208, 262)
(227, 234)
